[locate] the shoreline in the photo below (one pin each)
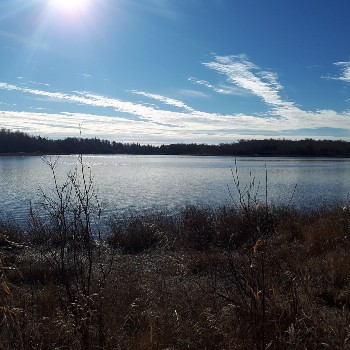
(40, 154)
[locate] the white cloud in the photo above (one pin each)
(67, 124)
(36, 83)
(145, 122)
(180, 121)
(192, 93)
(264, 84)
(240, 71)
(220, 89)
(165, 100)
(345, 70)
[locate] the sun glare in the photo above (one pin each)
(70, 6)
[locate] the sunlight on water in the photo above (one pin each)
(136, 183)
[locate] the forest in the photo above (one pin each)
(12, 142)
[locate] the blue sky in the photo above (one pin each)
(168, 71)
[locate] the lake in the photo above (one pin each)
(128, 183)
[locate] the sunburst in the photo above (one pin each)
(70, 6)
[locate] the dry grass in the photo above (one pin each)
(207, 279)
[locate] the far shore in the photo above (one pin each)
(40, 154)
(21, 154)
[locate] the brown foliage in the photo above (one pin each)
(205, 279)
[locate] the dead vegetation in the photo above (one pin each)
(192, 285)
(249, 276)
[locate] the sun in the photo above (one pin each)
(70, 6)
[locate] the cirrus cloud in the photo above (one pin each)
(171, 119)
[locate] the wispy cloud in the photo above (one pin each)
(36, 83)
(192, 93)
(173, 120)
(240, 71)
(163, 99)
(345, 72)
(67, 124)
(181, 120)
(5, 104)
(220, 89)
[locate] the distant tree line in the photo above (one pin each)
(20, 142)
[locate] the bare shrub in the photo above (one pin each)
(140, 233)
(72, 246)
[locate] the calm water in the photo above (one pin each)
(131, 183)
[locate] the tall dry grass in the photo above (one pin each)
(200, 283)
